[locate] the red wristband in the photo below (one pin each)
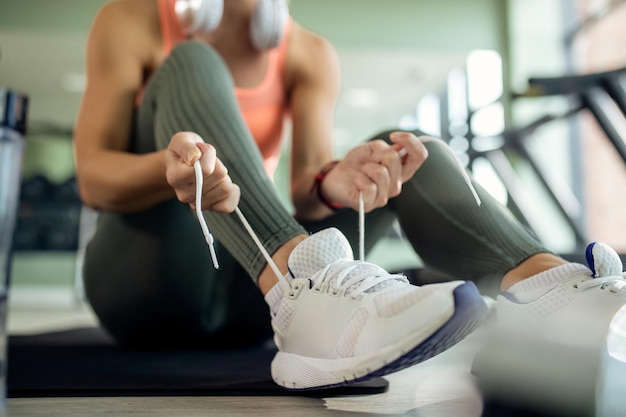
(317, 186)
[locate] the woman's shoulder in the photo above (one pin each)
(131, 25)
(305, 38)
(131, 13)
(308, 47)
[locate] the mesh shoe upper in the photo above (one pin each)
(326, 260)
(572, 304)
(345, 296)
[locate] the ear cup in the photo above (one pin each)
(199, 16)
(267, 24)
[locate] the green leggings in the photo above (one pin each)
(149, 276)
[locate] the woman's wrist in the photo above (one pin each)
(317, 186)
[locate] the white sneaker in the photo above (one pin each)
(339, 321)
(551, 334)
(570, 304)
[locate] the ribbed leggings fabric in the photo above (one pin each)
(149, 276)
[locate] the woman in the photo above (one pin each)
(163, 94)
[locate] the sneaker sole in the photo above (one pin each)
(469, 312)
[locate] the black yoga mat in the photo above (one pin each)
(86, 362)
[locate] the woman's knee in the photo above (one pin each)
(384, 134)
(198, 53)
(193, 67)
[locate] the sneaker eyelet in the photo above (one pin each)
(321, 288)
(297, 286)
(338, 292)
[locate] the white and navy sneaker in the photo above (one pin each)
(571, 304)
(339, 321)
(552, 335)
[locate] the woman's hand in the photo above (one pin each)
(218, 191)
(376, 169)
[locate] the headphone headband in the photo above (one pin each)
(204, 16)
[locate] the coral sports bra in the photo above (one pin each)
(263, 107)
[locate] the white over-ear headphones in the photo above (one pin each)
(203, 16)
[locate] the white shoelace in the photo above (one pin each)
(211, 241)
(615, 284)
(205, 229)
(338, 276)
(209, 237)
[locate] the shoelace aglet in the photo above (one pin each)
(210, 242)
(474, 193)
(205, 229)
